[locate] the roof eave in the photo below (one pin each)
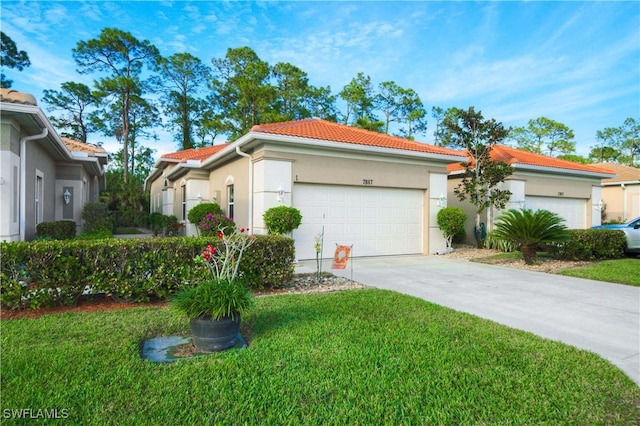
(556, 170)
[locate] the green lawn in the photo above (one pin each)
(354, 357)
(622, 271)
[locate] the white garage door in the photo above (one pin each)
(572, 210)
(376, 221)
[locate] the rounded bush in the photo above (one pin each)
(282, 220)
(197, 213)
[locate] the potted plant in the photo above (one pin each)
(216, 303)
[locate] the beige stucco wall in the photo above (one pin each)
(622, 203)
(370, 170)
(522, 185)
(235, 172)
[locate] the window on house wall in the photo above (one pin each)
(39, 195)
(230, 201)
(184, 202)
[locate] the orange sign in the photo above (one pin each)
(341, 257)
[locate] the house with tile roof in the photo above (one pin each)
(621, 194)
(43, 177)
(376, 192)
(571, 190)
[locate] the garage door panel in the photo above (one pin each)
(376, 221)
(572, 210)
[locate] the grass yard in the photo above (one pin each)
(622, 271)
(354, 357)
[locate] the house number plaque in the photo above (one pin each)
(367, 181)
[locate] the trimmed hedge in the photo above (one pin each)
(60, 230)
(48, 273)
(591, 244)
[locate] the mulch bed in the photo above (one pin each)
(302, 283)
(85, 304)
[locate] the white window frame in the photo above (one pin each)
(230, 200)
(39, 197)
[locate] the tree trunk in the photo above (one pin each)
(529, 253)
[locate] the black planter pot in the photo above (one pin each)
(213, 335)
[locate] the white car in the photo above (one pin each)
(631, 230)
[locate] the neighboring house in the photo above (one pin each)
(621, 194)
(376, 192)
(571, 190)
(43, 177)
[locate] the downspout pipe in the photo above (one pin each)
(244, 154)
(23, 178)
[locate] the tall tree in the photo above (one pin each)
(180, 78)
(360, 99)
(412, 115)
(631, 141)
(242, 88)
(322, 104)
(469, 130)
(123, 58)
(77, 103)
(208, 123)
(390, 100)
(143, 117)
(292, 89)
(610, 140)
(544, 136)
(11, 57)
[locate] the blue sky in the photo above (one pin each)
(574, 62)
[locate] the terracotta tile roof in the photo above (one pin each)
(15, 97)
(314, 128)
(74, 145)
(625, 173)
(516, 156)
(194, 153)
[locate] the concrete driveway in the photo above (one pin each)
(600, 317)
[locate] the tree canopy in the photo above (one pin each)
(468, 129)
(11, 57)
(122, 58)
(544, 136)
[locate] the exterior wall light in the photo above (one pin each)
(67, 196)
(280, 194)
(599, 205)
(442, 201)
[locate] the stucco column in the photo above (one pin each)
(596, 206)
(272, 187)
(437, 201)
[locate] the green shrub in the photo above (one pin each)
(97, 234)
(268, 263)
(282, 220)
(172, 226)
(60, 230)
(48, 273)
(197, 213)
(451, 222)
(591, 244)
(96, 216)
(529, 229)
(157, 223)
(505, 246)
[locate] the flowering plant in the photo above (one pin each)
(223, 260)
(223, 294)
(214, 223)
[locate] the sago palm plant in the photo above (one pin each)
(528, 229)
